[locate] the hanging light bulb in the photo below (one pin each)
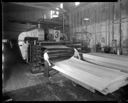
(86, 19)
(61, 5)
(77, 3)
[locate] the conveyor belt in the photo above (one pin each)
(108, 60)
(102, 79)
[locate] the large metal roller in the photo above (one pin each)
(58, 52)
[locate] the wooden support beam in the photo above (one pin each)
(48, 23)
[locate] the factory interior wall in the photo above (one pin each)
(11, 30)
(101, 24)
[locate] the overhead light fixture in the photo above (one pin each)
(86, 19)
(77, 3)
(61, 5)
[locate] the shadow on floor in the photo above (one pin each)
(56, 88)
(20, 77)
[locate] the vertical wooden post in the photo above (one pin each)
(106, 22)
(95, 30)
(113, 22)
(109, 26)
(120, 44)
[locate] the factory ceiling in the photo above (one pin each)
(31, 12)
(51, 5)
(41, 5)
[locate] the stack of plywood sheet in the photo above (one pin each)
(91, 76)
(108, 60)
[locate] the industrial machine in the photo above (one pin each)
(32, 46)
(23, 45)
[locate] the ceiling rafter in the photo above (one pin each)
(33, 5)
(52, 6)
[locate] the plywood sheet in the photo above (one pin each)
(97, 77)
(108, 60)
